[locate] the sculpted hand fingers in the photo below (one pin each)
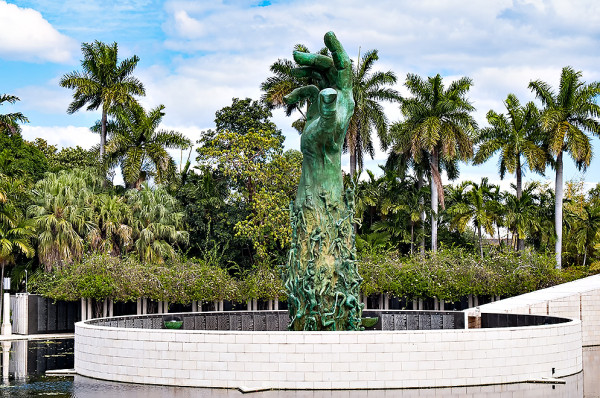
(299, 94)
(317, 61)
(327, 101)
(307, 71)
(339, 55)
(327, 110)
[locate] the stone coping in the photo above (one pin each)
(278, 320)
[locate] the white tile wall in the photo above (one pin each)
(579, 299)
(328, 360)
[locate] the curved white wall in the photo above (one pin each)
(576, 300)
(328, 360)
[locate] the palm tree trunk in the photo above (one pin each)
(434, 202)
(412, 237)
(499, 237)
(103, 134)
(520, 242)
(480, 242)
(423, 215)
(584, 256)
(352, 160)
(558, 193)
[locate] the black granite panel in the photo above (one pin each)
(61, 316)
(223, 321)
(272, 322)
(284, 319)
(387, 322)
(412, 321)
(436, 321)
(247, 322)
(188, 323)
(424, 321)
(235, 322)
(211, 322)
(200, 322)
(42, 318)
(52, 320)
(260, 322)
(157, 323)
(448, 321)
(399, 321)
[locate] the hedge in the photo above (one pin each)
(447, 275)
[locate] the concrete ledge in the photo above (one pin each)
(328, 360)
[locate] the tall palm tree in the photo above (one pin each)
(437, 124)
(517, 137)
(476, 206)
(138, 145)
(103, 83)
(567, 115)
(368, 90)
(10, 120)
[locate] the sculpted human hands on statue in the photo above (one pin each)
(328, 116)
(331, 104)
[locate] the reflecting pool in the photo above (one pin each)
(29, 361)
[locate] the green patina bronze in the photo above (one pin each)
(322, 279)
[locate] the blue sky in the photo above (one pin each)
(197, 55)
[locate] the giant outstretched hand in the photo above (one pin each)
(329, 113)
(321, 278)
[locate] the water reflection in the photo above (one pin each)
(89, 388)
(33, 358)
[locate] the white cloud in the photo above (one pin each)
(222, 49)
(26, 35)
(62, 136)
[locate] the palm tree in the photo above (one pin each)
(139, 147)
(112, 215)
(401, 207)
(585, 227)
(522, 213)
(437, 124)
(157, 223)
(475, 207)
(518, 139)
(10, 120)
(16, 232)
(63, 214)
(368, 90)
(103, 82)
(566, 116)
